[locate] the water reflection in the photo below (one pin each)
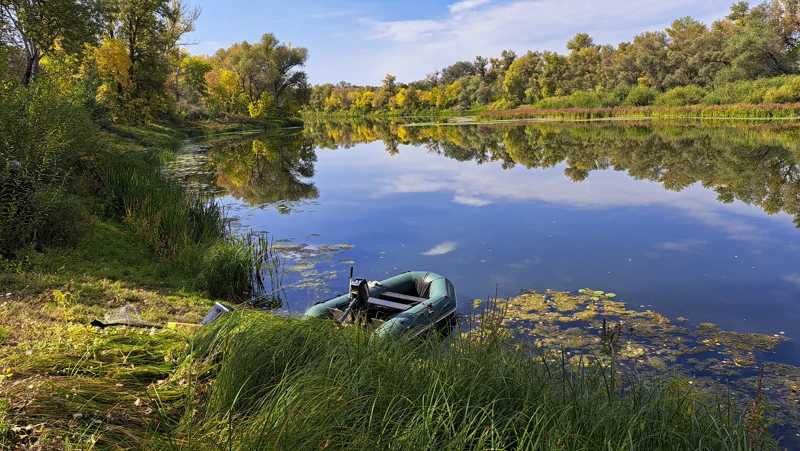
(672, 217)
(754, 164)
(272, 169)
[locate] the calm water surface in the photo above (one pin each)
(690, 221)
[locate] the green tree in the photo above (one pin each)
(521, 74)
(34, 27)
(151, 31)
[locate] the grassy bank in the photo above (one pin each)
(260, 382)
(133, 246)
(743, 111)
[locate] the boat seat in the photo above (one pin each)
(389, 304)
(402, 297)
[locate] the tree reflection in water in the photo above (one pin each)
(272, 169)
(756, 164)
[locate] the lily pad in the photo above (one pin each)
(611, 295)
(599, 293)
(594, 298)
(581, 291)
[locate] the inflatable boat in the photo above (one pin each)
(404, 305)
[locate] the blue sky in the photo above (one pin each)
(360, 41)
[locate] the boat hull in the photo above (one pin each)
(440, 305)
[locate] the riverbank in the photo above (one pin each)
(735, 111)
(141, 250)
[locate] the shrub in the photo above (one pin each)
(682, 96)
(583, 99)
(554, 103)
(44, 136)
(788, 93)
(641, 96)
(65, 220)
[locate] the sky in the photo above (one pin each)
(360, 41)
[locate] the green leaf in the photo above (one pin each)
(599, 293)
(594, 298)
(611, 295)
(581, 291)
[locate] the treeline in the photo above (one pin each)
(689, 63)
(126, 61)
(755, 165)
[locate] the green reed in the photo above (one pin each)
(275, 383)
(161, 213)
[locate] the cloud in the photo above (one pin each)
(794, 279)
(407, 30)
(466, 5)
(471, 201)
(687, 245)
(444, 248)
(332, 14)
(478, 27)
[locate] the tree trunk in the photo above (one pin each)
(31, 67)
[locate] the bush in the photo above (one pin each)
(682, 96)
(641, 96)
(788, 93)
(44, 137)
(554, 103)
(583, 99)
(65, 220)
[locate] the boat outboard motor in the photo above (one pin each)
(359, 294)
(359, 290)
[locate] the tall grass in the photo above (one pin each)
(160, 212)
(273, 383)
(743, 111)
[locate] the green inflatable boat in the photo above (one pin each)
(407, 304)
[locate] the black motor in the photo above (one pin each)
(359, 291)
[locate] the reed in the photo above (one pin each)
(161, 213)
(275, 383)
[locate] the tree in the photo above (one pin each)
(269, 67)
(34, 26)
(458, 70)
(521, 74)
(692, 53)
(580, 41)
(151, 31)
(764, 42)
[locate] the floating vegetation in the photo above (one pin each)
(590, 324)
(304, 263)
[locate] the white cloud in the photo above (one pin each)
(466, 5)
(794, 279)
(471, 201)
(441, 249)
(477, 27)
(333, 14)
(407, 30)
(687, 245)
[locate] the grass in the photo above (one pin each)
(745, 111)
(65, 385)
(262, 382)
(65, 382)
